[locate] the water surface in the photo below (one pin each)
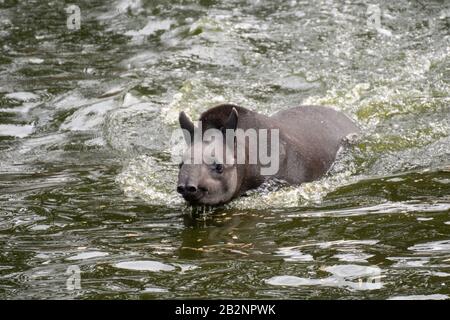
(85, 176)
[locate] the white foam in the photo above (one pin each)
(89, 117)
(16, 130)
(22, 96)
(151, 27)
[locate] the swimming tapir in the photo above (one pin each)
(304, 141)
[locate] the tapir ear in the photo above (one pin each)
(232, 120)
(186, 124)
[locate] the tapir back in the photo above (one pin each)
(316, 132)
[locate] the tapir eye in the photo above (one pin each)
(218, 167)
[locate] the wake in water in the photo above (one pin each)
(391, 143)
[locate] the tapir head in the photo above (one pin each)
(208, 172)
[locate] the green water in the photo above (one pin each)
(86, 179)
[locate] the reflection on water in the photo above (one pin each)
(86, 178)
(341, 276)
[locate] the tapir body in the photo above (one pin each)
(309, 138)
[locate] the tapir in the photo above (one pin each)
(307, 141)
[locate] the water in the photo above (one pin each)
(85, 176)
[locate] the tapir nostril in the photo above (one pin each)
(180, 189)
(191, 189)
